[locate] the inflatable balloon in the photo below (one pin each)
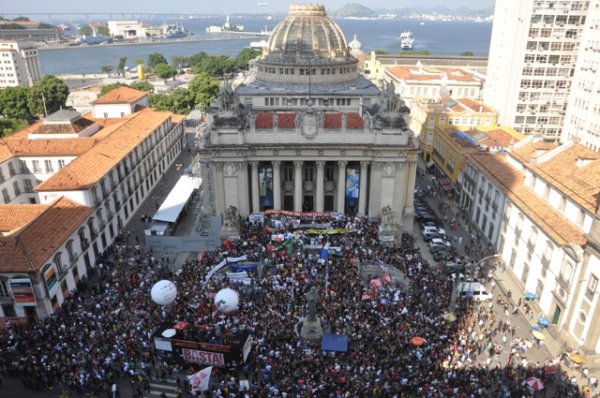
(227, 300)
(163, 292)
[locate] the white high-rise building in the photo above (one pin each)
(19, 64)
(533, 53)
(583, 113)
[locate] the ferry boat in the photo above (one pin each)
(406, 40)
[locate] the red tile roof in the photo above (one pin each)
(286, 120)
(121, 138)
(412, 72)
(264, 120)
(332, 120)
(30, 246)
(474, 105)
(511, 181)
(120, 95)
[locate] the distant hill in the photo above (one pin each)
(354, 10)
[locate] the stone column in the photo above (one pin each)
(362, 193)
(341, 191)
(298, 185)
(243, 199)
(255, 193)
(219, 187)
(276, 184)
(410, 188)
(319, 193)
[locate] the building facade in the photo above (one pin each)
(19, 64)
(307, 132)
(583, 112)
(87, 177)
(533, 55)
(548, 233)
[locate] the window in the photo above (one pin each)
(329, 173)
(48, 166)
(580, 217)
(562, 203)
(591, 287)
(288, 174)
(36, 166)
(11, 169)
(546, 191)
(566, 271)
(58, 261)
(70, 252)
(17, 188)
(23, 167)
(61, 163)
(1, 175)
(28, 186)
(5, 195)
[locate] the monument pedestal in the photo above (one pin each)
(311, 330)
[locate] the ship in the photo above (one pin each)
(406, 40)
(226, 27)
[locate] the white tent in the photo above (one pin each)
(175, 202)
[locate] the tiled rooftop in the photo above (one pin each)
(30, 246)
(511, 181)
(121, 138)
(120, 95)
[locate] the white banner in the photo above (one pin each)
(223, 263)
(199, 381)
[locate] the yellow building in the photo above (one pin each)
(428, 113)
(451, 144)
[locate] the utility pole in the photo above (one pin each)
(44, 102)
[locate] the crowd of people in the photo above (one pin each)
(104, 330)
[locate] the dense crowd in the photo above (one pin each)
(104, 331)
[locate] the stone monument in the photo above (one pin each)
(311, 325)
(388, 230)
(231, 227)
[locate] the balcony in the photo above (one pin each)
(288, 186)
(329, 186)
(309, 185)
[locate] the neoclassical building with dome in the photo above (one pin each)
(305, 131)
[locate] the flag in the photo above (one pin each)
(199, 381)
(325, 254)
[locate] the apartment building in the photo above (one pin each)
(19, 64)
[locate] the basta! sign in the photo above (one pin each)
(203, 357)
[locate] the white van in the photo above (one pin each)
(474, 290)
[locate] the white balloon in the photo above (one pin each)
(227, 300)
(163, 292)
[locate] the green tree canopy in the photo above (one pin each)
(86, 30)
(143, 86)
(245, 56)
(138, 61)
(179, 101)
(50, 89)
(197, 59)
(156, 59)
(106, 69)
(8, 125)
(165, 71)
(204, 88)
(103, 31)
(121, 66)
(179, 61)
(14, 103)
(215, 66)
(467, 54)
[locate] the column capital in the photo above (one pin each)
(365, 163)
(320, 163)
(276, 163)
(254, 164)
(342, 163)
(298, 163)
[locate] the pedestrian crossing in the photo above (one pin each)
(157, 388)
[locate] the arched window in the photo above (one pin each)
(91, 227)
(100, 218)
(58, 261)
(83, 241)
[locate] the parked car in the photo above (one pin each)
(432, 234)
(439, 242)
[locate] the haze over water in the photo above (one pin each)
(438, 37)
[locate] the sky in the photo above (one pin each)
(210, 7)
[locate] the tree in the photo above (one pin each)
(179, 101)
(103, 31)
(204, 88)
(14, 103)
(138, 61)
(110, 87)
(165, 71)
(245, 56)
(49, 90)
(106, 69)
(197, 59)
(121, 66)
(86, 30)
(179, 61)
(155, 59)
(8, 125)
(216, 66)
(467, 54)
(143, 86)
